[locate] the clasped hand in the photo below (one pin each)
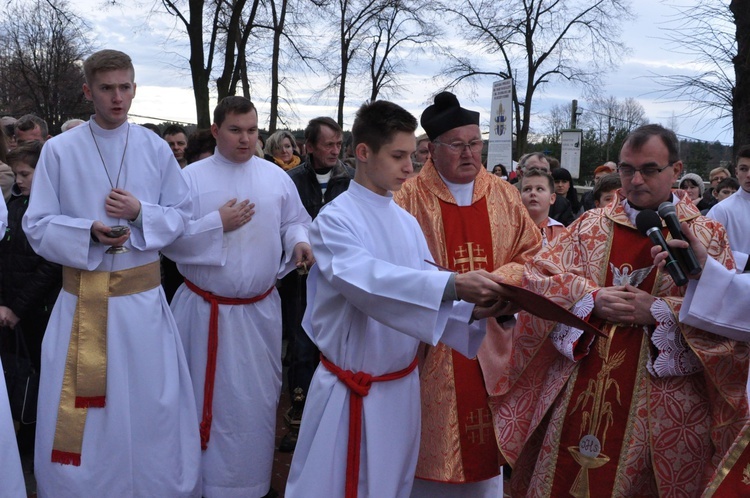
(624, 304)
(484, 290)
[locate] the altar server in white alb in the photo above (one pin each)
(734, 212)
(229, 316)
(11, 475)
(372, 298)
(116, 410)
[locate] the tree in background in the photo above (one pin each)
(535, 42)
(354, 19)
(399, 33)
(228, 32)
(710, 32)
(741, 94)
(42, 46)
(284, 20)
(605, 123)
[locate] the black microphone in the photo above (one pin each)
(649, 224)
(686, 256)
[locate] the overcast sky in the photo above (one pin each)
(164, 90)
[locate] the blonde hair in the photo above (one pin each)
(273, 143)
(107, 60)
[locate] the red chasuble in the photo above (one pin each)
(732, 478)
(468, 243)
(600, 394)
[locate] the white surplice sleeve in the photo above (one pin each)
(54, 236)
(405, 299)
(721, 213)
(202, 242)
(164, 218)
(718, 302)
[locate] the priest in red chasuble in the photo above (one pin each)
(472, 220)
(648, 410)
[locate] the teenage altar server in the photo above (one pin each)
(229, 316)
(371, 300)
(116, 407)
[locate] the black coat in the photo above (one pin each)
(30, 284)
(301, 355)
(309, 189)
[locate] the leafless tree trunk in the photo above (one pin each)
(741, 93)
(228, 36)
(401, 26)
(355, 18)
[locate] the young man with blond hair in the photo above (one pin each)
(116, 410)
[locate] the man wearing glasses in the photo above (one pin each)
(472, 220)
(652, 406)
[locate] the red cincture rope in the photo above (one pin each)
(359, 384)
(213, 346)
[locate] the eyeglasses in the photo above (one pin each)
(475, 146)
(627, 171)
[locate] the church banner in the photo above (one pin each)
(500, 147)
(570, 158)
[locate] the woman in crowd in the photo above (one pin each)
(499, 170)
(281, 148)
(694, 186)
(564, 188)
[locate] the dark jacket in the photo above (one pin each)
(30, 284)
(302, 355)
(309, 189)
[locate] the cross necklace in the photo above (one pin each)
(101, 157)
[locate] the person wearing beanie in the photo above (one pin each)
(693, 184)
(472, 220)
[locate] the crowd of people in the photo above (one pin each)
(154, 277)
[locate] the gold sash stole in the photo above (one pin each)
(85, 378)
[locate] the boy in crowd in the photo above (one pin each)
(29, 285)
(537, 195)
(371, 300)
(605, 190)
(725, 188)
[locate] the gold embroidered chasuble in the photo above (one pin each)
(664, 435)
(732, 478)
(450, 433)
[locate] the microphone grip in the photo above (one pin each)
(687, 256)
(672, 266)
(691, 261)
